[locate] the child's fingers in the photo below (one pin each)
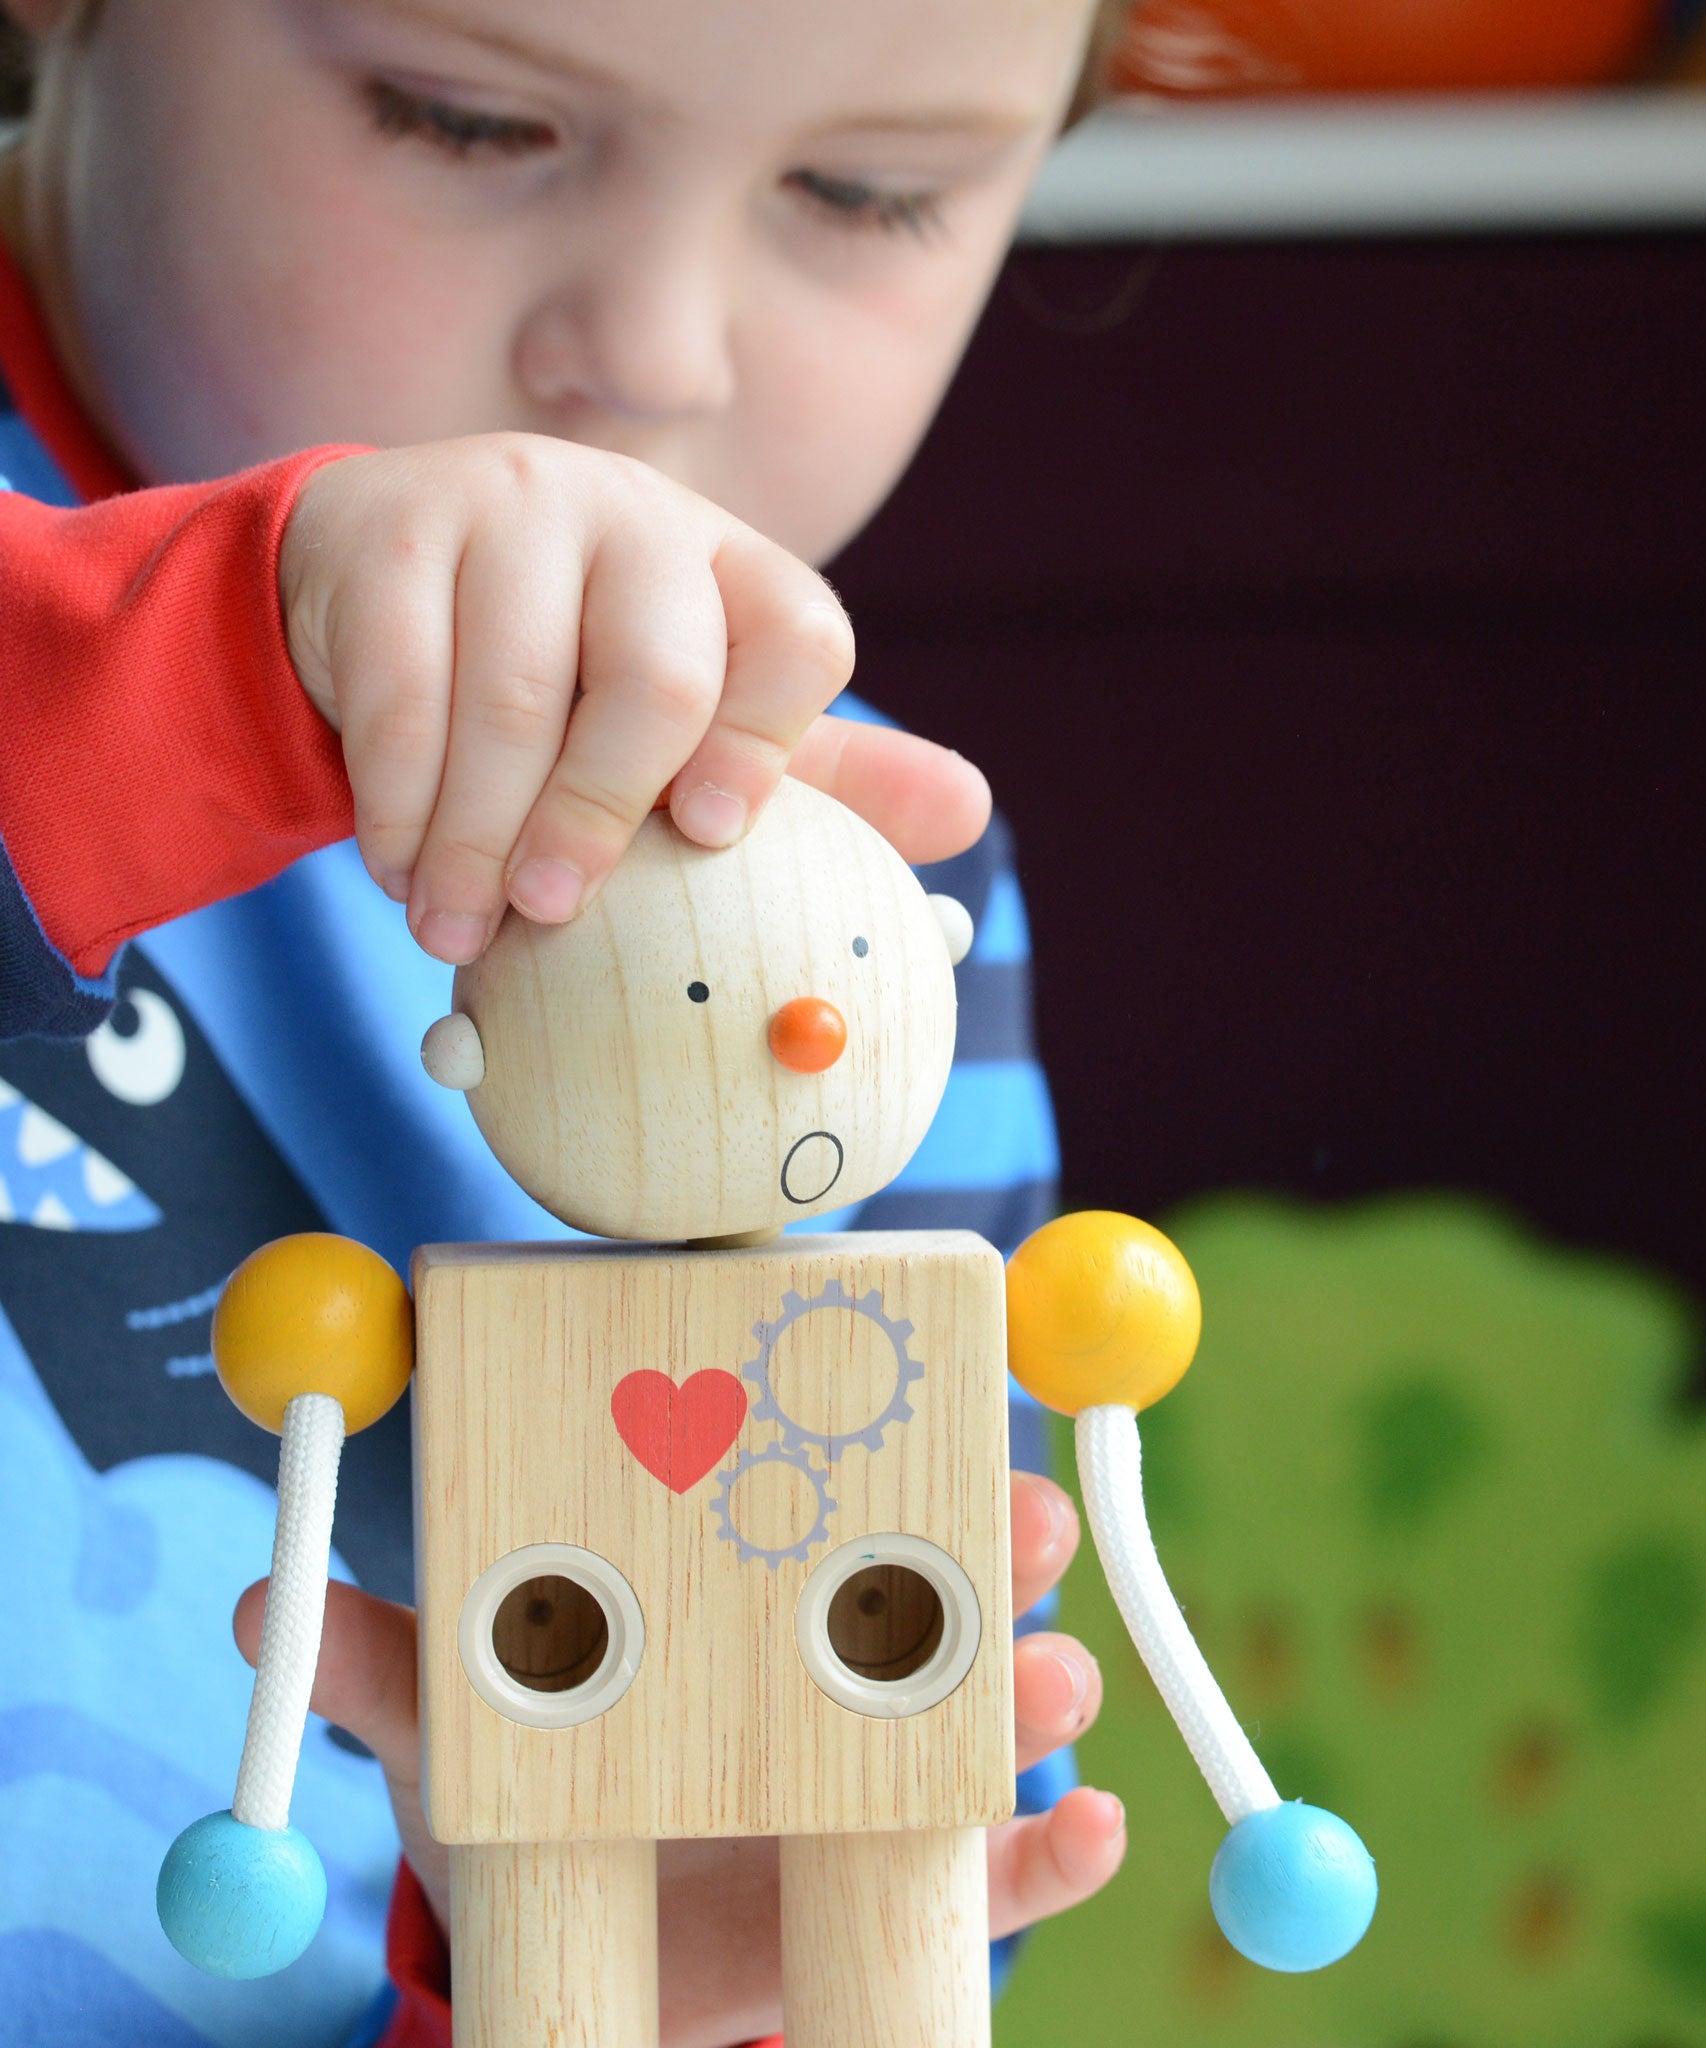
(1046, 1862)
(652, 653)
(1057, 1693)
(928, 802)
(391, 654)
(1044, 1526)
(790, 651)
(365, 1680)
(719, 1924)
(518, 625)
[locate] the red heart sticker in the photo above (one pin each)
(678, 1432)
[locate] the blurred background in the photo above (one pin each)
(1312, 554)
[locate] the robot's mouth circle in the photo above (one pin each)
(812, 1167)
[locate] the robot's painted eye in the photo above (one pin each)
(697, 992)
(860, 948)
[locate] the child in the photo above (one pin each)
(643, 304)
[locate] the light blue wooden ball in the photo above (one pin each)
(1293, 1887)
(239, 1901)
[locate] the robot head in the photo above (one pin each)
(724, 1041)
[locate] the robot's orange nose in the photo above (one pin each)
(808, 1034)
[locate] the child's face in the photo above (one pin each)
(744, 240)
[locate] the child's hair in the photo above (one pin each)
(1095, 81)
(15, 67)
(14, 71)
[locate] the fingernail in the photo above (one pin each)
(1116, 1807)
(711, 815)
(549, 890)
(1055, 1505)
(1077, 1680)
(452, 935)
(396, 886)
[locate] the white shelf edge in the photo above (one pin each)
(1143, 169)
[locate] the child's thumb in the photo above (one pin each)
(365, 1681)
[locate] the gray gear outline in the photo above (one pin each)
(794, 1308)
(772, 1454)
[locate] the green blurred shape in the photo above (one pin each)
(1641, 1625)
(1672, 1940)
(1421, 1442)
(1437, 1513)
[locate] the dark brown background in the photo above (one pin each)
(1330, 622)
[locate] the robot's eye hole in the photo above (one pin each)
(697, 992)
(860, 948)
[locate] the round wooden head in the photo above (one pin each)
(724, 1041)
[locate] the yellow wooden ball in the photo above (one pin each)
(1100, 1309)
(314, 1314)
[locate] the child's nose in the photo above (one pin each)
(808, 1034)
(645, 340)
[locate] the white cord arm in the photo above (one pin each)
(1110, 1470)
(309, 1452)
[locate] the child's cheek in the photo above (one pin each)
(838, 414)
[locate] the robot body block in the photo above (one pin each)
(713, 1542)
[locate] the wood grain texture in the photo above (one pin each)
(885, 1940)
(554, 1945)
(722, 1731)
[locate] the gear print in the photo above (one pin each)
(795, 1436)
(727, 1480)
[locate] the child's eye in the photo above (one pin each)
(459, 131)
(852, 204)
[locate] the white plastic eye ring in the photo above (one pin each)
(940, 1673)
(617, 1669)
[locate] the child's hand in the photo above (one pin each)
(447, 606)
(719, 1929)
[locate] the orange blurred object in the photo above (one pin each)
(1261, 46)
(808, 1034)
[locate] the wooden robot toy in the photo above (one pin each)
(711, 1531)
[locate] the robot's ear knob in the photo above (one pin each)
(955, 920)
(1101, 1310)
(452, 1053)
(1293, 1887)
(314, 1314)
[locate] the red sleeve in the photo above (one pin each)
(419, 1962)
(159, 752)
(420, 1967)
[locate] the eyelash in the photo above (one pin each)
(463, 132)
(458, 131)
(852, 205)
